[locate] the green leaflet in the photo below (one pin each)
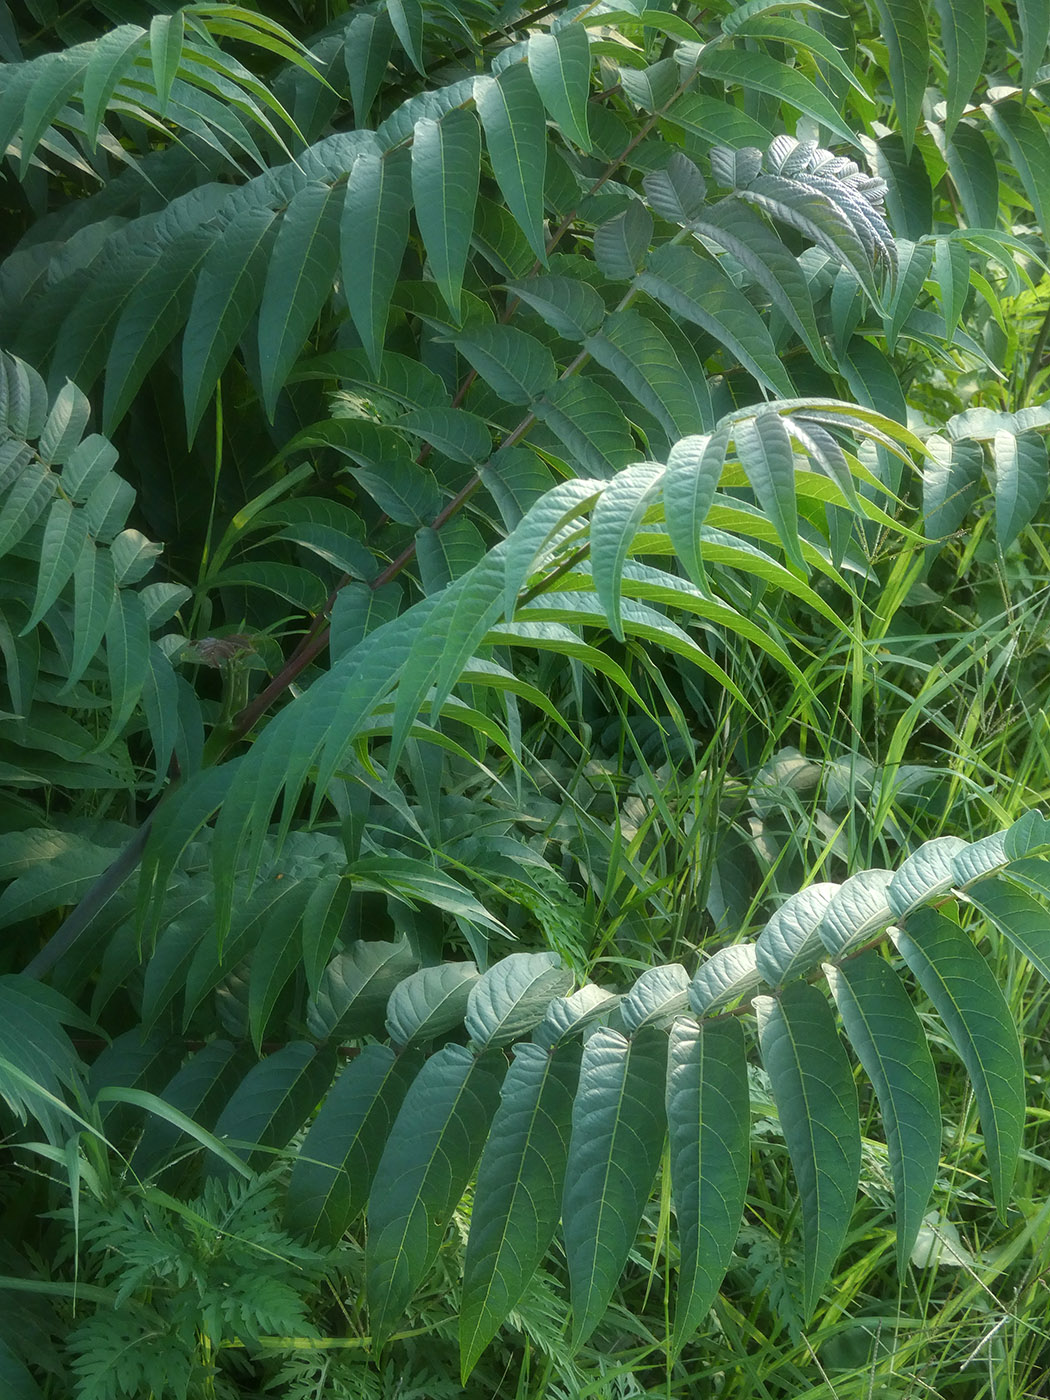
(152, 316)
(373, 235)
(891, 1044)
(560, 65)
(696, 289)
(298, 283)
(228, 291)
(690, 481)
(276, 954)
(904, 29)
(1035, 28)
(590, 423)
(426, 1164)
(517, 1199)
(369, 39)
(758, 71)
(964, 35)
(950, 481)
(815, 1095)
(274, 1099)
(515, 364)
(127, 656)
(1016, 915)
(198, 1089)
(618, 513)
(512, 997)
(764, 448)
(353, 992)
(1021, 479)
(708, 1114)
(732, 225)
(336, 1165)
(975, 175)
(621, 243)
(641, 357)
(618, 1130)
(573, 308)
(967, 998)
(1026, 140)
(913, 267)
(446, 167)
(407, 18)
(512, 116)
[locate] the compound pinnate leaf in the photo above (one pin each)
(708, 1115)
(513, 996)
(891, 1044)
(426, 1164)
(959, 982)
(814, 1092)
(517, 1200)
(618, 1130)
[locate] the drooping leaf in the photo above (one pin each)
(1021, 480)
(618, 1130)
(817, 1101)
(428, 1159)
(228, 291)
(515, 128)
(336, 1165)
(299, 281)
(1016, 915)
(560, 65)
(519, 1191)
(903, 27)
(891, 1044)
(969, 1001)
(446, 165)
(708, 1115)
(373, 234)
(369, 39)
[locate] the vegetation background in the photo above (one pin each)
(496, 501)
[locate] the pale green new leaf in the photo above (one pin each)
(969, 1001)
(764, 448)
(617, 515)
(299, 281)
(708, 1116)
(446, 168)
(618, 1131)
(815, 1095)
(426, 1164)
(892, 1046)
(691, 479)
(517, 1199)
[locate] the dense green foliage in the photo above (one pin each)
(532, 884)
